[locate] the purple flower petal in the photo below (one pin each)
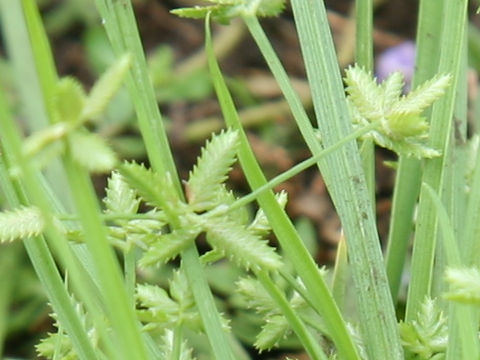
(397, 58)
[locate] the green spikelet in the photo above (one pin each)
(401, 127)
(464, 285)
(242, 246)
(205, 183)
(428, 334)
(20, 223)
(105, 88)
(225, 10)
(120, 198)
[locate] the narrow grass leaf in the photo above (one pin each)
(408, 178)
(281, 224)
(347, 184)
(435, 174)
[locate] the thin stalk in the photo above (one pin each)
(408, 178)
(35, 75)
(129, 273)
(347, 184)
(340, 274)
(364, 34)
(120, 24)
(434, 169)
(9, 258)
(37, 249)
(470, 234)
(463, 338)
(119, 21)
(119, 309)
(364, 58)
(281, 224)
(308, 341)
(129, 339)
(177, 342)
(297, 169)
(293, 100)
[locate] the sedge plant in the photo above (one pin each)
(90, 254)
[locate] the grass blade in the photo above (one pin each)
(347, 184)
(281, 224)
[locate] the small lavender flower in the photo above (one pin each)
(399, 58)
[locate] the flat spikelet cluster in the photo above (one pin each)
(401, 126)
(230, 234)
(223, 11)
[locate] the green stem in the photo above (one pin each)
(347, 185)
(463, 337)
(206, 305)
(308, 341)
(123, 33)
(281, 224)
(340, 274)
(35, 76)
(9, 259)
(277, 180)
(434, 169)
(364, 34)
(37, 249)
(121, 27)
(129, 269)
(119, 309)
(364, 58)
(177, 342)
(408, 178)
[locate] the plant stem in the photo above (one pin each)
(462, 334)
(281, 224)
(408, 178)
(308, 341)
(364, 58)
(347, 184)
(434, 169)
(122, 31)
(37, 249)
(277, 180)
